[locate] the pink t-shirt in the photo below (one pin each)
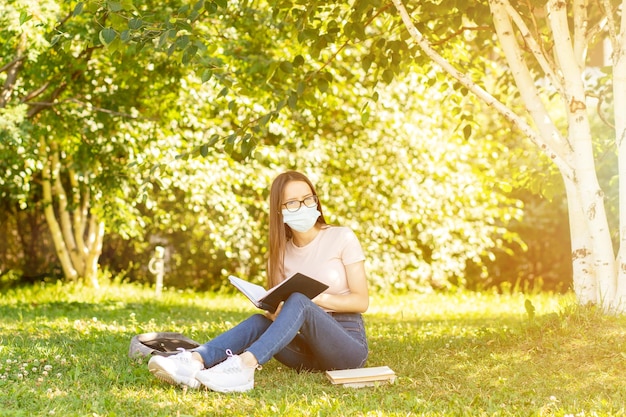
(325, 257)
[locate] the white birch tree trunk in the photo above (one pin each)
(584, 283)
(579, 135)
(598, 278)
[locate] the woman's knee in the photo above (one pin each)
(298, 298)
(260, 320)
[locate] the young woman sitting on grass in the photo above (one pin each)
(320, 334)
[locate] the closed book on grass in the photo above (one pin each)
(269, 299)
(362, 377)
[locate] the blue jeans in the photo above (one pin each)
(303, 337)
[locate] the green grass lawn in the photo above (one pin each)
(63, 352)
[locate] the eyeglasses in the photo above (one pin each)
(294, 205)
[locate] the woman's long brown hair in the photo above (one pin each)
(280, 233)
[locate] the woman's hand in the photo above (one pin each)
(272, 316)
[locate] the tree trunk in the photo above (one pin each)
(597, 279)
(570, 65)
(76, 233)
(584, 280)
(50, 171)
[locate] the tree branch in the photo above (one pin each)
(546, 142)
(547, 65)
(38, 107)
(13, 70)
(612, 25)
(459, 32)
(16, 61)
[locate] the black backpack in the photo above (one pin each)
(159, 343)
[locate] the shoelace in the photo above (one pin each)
(183, 355)
(232, 365)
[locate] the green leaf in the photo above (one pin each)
(135, 23)
(366, 62)
(322, 85)
(467, 131)
(182, 41)
(206, 75)
(387, 76)
(55, 39)
(247, 145)
(24, 17)
(300, 88)
(307, 34)
(298, 61)
(162, 39)
(265, 119)
(222, 3)
(358, 31)
(189, 54)
(214, 139)
(229, 143)
(125, 36)
(171, 49)
(210, 7)
(292, 101)
(183, 25)
(107, 36)
(271, 71)
(114, 6)
(78, 9)
(286, 67)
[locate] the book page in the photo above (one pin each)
(269, 300)
(361, 374)
(253, 291)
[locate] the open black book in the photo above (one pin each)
(269, 299)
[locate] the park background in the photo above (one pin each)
(116, 142)
(131, 125)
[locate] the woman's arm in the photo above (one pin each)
(356, 301)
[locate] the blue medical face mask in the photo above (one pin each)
(302, 220)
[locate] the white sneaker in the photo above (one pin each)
(229, 376)
(179, 369)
